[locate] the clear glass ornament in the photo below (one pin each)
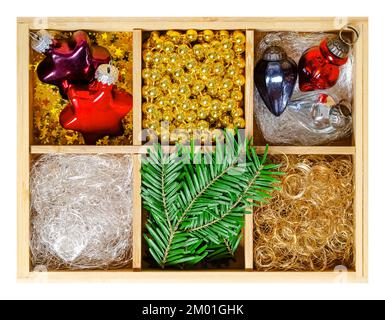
(320, 113)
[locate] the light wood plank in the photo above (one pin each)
(249, 102)
(81, 149)
(37, 149)
(358, 133)
(196, 276)
(164, 23)
(137, 215)
(137, 87)
(308, 150)
(249, 85)
(23, 137)
(365, 141)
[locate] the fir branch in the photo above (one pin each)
(196, 211)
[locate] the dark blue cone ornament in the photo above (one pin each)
(275, 76)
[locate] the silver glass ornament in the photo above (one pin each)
(275, 76)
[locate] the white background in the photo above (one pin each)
(9, 288)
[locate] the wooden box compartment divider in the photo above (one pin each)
(243, 271)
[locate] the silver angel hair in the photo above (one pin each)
(81, 212)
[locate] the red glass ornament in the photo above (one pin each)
(319, 67)
(96, 110)
(71, 61)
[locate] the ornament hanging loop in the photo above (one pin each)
(346, 40)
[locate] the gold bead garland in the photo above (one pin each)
(309, 224)
(193, 81)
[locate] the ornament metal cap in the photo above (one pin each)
(340, 115)
(341, 45)
(107, 74)
(41, 40)
(274, 53)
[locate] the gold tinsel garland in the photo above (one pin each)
(309, 224)
(47, 102)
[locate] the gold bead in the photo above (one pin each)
(178, 73)
(155, 75)
(153, 124)
(191, 63)
(239, 37)
(203, 125)
(208, 35)
(238, 112)
(232, 71)
(167, 116)
(239, 80)
(240, 62)
(187, 78)
(224, 34)
(211, 55)
(218, 68)
(239, 122)
(205, 69)
(227, 84)
(198, 51)
(168, 47)
(180, 116)
(228, 55)
(226, 44)
(239, 48)
(146, 73)
(183, 49)
(226, 120)
(211, 83)
(186, 105)
(215, 105)
(174, 88)
(157, 58)
(148, 107)
(191, 35)
(203, 113)
(215, 115)
(205, 100)
(174, 36)
(224, 94)
(173, 100)
(165, 83)
(229, 105)
(216, 45)
(147, 56)
(237, 95)
(184, 90)
(145, 91)
(194, 104)
(162, 102)
(191, 116)
(198, 86)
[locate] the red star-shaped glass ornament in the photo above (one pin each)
(96, 110)
(71, 61)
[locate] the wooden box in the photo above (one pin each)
(356, 147)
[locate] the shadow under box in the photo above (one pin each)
(295, 44)
(47, 103)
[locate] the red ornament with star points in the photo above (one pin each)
(96, 110)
